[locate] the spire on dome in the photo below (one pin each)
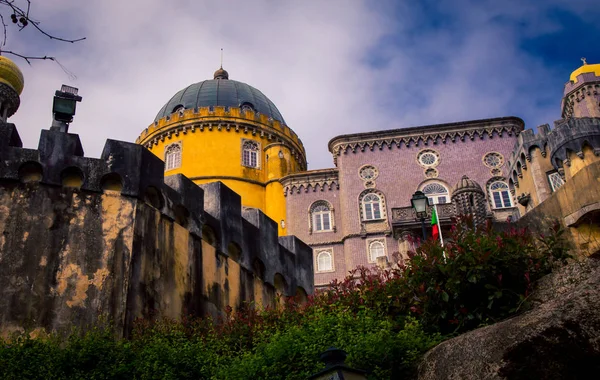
(221, 74)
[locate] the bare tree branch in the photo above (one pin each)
(21, 18)
(29, 58)
(3, 26)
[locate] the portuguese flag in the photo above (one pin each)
(435, 231)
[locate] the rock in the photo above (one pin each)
(558, 339)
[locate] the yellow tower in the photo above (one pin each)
(225, 130)
(11, 86)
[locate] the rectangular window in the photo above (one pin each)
(318, 223)
(441, 200)
(506, 198)
(326, 224)
(555, 180)
(497, 200)
(376, 211)
(368, 212)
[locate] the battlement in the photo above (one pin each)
(117, 227)
(217, 113)
(219, 118)
(571, 136)
(527, 141)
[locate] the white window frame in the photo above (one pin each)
(173, 156)
(553, 179)
(371, 244)
(439, 197)
(322, 214)
(251, 154)
(503, 195)
(317, 213)
(324, 252)
(371, 207)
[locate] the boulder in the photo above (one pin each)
(559, 338)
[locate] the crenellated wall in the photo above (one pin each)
(528, 168)
(574, 143)
(84, 238)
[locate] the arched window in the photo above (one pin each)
(324, 261)
(436, 193)
(321, 217)
(376, 249)
(250, 154)
(371, 204)
(173, 156)
(500, 195)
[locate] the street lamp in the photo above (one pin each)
(419, 204)
(63, 107)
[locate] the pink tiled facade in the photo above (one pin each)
(459, 146)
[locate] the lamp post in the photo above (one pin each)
(335, 367)
(419, 204)
(63, 108)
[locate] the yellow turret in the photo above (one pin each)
(225, 130)
(585, 68)
(11, 86)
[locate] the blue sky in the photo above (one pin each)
(334, 67)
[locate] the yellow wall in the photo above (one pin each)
(535, 179)
(578, 163)
(214, 153)
(224, 278)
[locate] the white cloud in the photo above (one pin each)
(313, 59)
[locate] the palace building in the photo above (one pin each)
(358, 212)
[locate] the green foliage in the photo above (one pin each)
(384, 319)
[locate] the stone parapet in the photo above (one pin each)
(84, 237)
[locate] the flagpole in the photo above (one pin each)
(438, 224)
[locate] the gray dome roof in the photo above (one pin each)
(466, 184)
(220, 92)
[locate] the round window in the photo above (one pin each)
(428, 158)
(493, 160)
(368, 173)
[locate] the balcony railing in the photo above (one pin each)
(406, 215)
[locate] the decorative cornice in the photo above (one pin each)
(424, 135)
(168, 131)
(313, 179)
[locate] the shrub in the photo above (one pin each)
(385, 319)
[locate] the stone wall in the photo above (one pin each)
(83, 239)
(576, 206)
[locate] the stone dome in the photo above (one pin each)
(466, 185)
(11, 75)
(220, 91)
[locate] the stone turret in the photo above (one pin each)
(582, 92)
(469, 199)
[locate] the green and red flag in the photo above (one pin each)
(435, 230)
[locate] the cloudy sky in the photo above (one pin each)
(331, 67)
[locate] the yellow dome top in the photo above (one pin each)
(586, 68)
(11, 75)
